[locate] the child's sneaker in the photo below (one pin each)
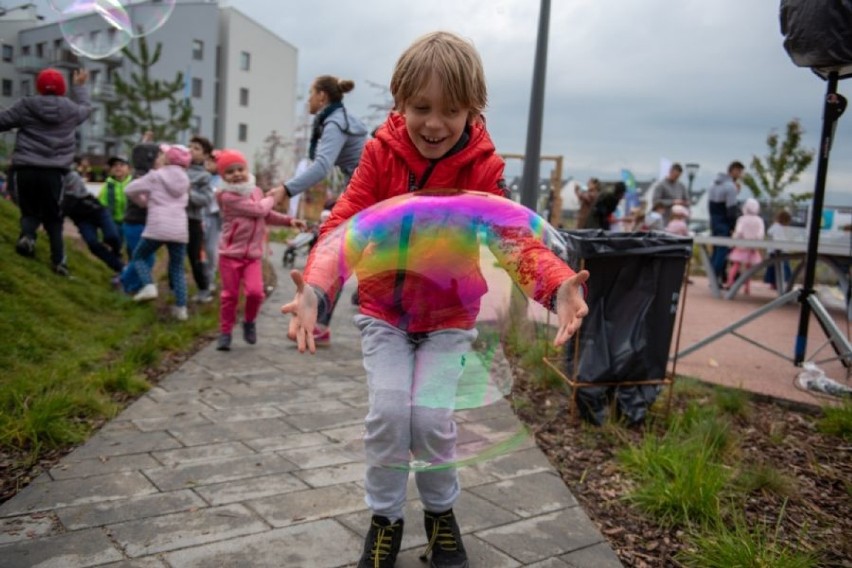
(180, 313)
(25, 246)
(322, 335)
(224, 342)
(148, 292)
(203, 297)
(250, 332)
(382, 543)
(445, 541)
(62, 270)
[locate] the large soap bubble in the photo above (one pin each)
(432, 260)
(147, 16)
(82, 25)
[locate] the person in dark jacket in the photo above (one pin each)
(44, 149)
(91, 217)
(723, 209)
(200, 198)
(605, 205)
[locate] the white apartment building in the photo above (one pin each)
(239, 76)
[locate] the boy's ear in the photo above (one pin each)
(473, 117)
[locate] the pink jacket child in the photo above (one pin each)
(677, 225)
(165, 192)
(749, 226)
(245, 212)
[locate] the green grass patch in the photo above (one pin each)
(766, 478)
(837, 421)
(735, 543)
(73, 349)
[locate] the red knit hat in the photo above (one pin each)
(50, 82)
(227, 158)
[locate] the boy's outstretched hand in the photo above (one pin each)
(571, 308)
(80, 76)
(304, 311)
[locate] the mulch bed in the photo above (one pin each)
(818, 512)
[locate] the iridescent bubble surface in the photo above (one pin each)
(95, 28)
(433, 260)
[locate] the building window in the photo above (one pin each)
(244, 97)
(25, 88)
(197, 49)
(7, 87)
(196, 88)
(243, 134)
(245, 60)
(8, 53)
(195, 124)
(95, 39)
(40, 49)
(25, 50)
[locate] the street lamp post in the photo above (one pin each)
(691, 171)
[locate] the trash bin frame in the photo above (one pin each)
(575, 384)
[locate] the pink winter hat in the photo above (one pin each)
(680, 210)
(176, 154)
(50, 82)
(227, 158)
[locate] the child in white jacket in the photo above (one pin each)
(164, 191)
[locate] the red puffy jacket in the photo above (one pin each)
(388, 166)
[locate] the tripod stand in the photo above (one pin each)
(835, 104)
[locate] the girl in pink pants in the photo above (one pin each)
(245, 212)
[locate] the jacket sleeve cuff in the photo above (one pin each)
(323, 303)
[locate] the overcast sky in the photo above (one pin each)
(628, 82)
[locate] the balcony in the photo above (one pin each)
(65, 58)
(30, 64)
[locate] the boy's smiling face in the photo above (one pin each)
(433, 124)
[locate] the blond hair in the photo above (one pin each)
(453, 60)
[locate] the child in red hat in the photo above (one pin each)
(44, 150)
(245, 213)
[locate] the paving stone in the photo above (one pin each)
(321, 456)
(26, 527)
(217, 471)
(252, 488)
(314, 407)
(181, 530)
(183, 396)
(478, 552)
(529, 495)
(149, 562)
(309, 505)
(242, 414)
(324, 476)
(230, 431)
(555, 563)
(125, 443)
(599, 555)
(78, 549)
(91, 467)
(149, 408)
(179, 420)
(320, 544)
(71, 492)
(515, 464)
(286, 442)
(538, 538)
(207, 452)
(112, 512)
(322, 421)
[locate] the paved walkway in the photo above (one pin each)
(238, 460)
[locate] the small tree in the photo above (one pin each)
(782, 167)
(138, 100)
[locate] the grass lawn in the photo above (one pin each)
(74, 350)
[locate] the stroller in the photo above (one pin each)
(303, 241)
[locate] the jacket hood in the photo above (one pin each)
(722, 177)
(51, 109)
(175, 180)
(395, 136)
(347, 123)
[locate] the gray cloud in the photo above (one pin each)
(628, 82)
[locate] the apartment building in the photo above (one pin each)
(239, 76)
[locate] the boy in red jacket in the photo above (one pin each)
(436, 139)
(245, 213)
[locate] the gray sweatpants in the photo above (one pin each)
(412, 380)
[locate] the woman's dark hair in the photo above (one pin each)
(333, 87)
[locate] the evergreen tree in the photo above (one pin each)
(142, 100)
(782, 166)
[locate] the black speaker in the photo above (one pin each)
(818, 34)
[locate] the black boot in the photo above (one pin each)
(382, 543)
(445, 541)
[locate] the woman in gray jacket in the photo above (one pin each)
(337, 139)
(44, 149)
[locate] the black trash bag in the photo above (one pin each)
(634, 291)
(818, 34)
